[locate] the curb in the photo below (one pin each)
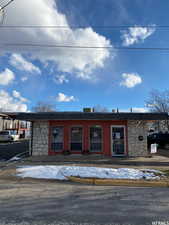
(120, 182)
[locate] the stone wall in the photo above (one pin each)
(135, 146)
(40, 138)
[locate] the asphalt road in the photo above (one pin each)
(8, 150)
(31, 202)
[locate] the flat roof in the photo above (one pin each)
(3, 115)
(88, 116)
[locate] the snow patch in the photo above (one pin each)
(62, 172)
(15, 158)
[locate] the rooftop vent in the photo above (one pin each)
(115, 110)
(87, 109)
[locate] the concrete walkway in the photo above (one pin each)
(155, 160)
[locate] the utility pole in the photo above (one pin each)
(2, 14)
(2, 11)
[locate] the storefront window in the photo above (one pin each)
(76, 139)
(57, 139)
(96, 139)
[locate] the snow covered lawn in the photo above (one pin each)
(62, 172)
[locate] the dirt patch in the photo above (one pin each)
(8, 173)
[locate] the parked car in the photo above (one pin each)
(8, 135)
(162, 139)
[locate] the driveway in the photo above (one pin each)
(8, 150)
(26, 201)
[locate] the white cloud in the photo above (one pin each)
(17, 95)
(64, 98)
(9, 103)
(136, 34)
(135, 109)
(23, 79)
(141, 110)
(60, 79)
(6, 77)
(130, 80)
(80, 62)
(20, 63)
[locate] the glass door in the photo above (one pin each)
(76, 139)
(118, 140)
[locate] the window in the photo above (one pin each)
(76, 139)
(57, 139)
(4, 133)
(96, 139)
(23, 124)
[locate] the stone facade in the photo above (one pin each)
(1, 123)
(137, 147)
(40, 138)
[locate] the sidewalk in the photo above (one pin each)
(98, 160)
(154, 162)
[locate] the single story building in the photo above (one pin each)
(110, 134)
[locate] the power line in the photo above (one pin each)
(85, 26)
(3, 7)
(84, 47)
(2, 14)
(2, 2)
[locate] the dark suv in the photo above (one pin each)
(160, 138)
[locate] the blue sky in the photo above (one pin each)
(76, 78)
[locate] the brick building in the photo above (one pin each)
(7, 122)
(110, 134)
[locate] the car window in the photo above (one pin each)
(4, 133)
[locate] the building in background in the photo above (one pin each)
(7, 122)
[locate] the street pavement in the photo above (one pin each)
(10, 149)
(44, 202)
(37, 202)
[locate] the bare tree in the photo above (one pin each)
(44, 107)
(158, 101)
(99, 108)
